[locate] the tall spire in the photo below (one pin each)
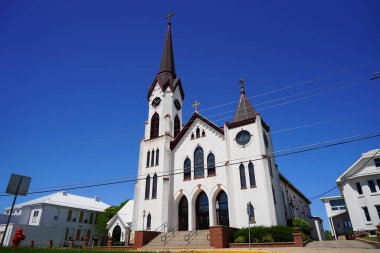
(245, 109)
(167, 70)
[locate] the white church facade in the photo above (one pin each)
(197, 175)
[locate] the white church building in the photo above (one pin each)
(198, 174)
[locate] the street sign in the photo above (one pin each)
(18, 185)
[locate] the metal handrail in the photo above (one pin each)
(161, 227)
(190, 235)
(170, 233)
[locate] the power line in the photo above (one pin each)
(361, 167)
(374, 135)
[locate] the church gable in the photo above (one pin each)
(196, 127)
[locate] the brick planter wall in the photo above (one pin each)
(221, 236)
(142, 238)
(298, 240)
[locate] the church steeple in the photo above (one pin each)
(167, 70)
(166, 76)
(245, 109)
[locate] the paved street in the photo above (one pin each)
(351, 244)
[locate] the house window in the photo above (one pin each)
(152, 159)
(377, 162)
(177, 126)
(66, 234)
(157, 156)
(251, 172)
(69, 215)
(243, 183)
(96, 218)
(187, 169)
(147, 159)
(77, 235)
(154, 187)
(210, 164)
(88, 234)
(75, 214)
(147, 187)
(338, 205)
(203, 133)
(85, 219)
(81, 217)
(366, 214)
(371, 185)
(35, 215)
(378, 211)
(154, 125)
(198, 133)
(199, 168)
(359, 188)
(91, 218)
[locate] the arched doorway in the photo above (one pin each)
(221, 205)
(183, 214)
(202, 214)
(116, 233)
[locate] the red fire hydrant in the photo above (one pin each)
(17, 238)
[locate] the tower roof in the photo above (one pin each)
(245, 109)
(166, 76)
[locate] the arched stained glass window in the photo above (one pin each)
(152, 159)
(243, 183)
(221, 205)
(198, 133)
(187, 169)
(210, 164)
(177, 126)
(199, 163)
(148, 222)
(251, 171)
(154, 187)
(154, 125)
(147, 187)
(147, 159)
(157, 156)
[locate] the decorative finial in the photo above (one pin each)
(242, 85)
(196, 105)
(169, 16)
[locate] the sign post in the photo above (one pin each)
(17, 185)
(249, 223)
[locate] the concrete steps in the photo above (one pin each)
(177, 241)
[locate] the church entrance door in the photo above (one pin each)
(183, 214)
(116, 234)
(202, 212)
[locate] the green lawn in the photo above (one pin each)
(370, 238)
(58, 250)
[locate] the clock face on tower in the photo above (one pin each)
(156, 102)
(177, 104)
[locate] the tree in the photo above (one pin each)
(328, 235)
(103, 218)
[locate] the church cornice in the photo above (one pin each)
(246, 122)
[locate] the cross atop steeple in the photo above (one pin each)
(242, 84)
(169, 16)
(196, 105)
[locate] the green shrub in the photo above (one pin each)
(303, 225)
(260, 234)
(267, 238)
(240, 239)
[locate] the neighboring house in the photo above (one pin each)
(59, 216)
(199, 174)
(339, 219)
(360, 189)
(119, 227)
(317, 231)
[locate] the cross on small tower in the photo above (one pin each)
(169, 16)
(196, 105)
(242, 84)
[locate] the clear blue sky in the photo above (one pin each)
(74, 76)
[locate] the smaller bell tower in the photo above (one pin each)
(165, 99)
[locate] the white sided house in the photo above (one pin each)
(360, 199)
(119, 227)
(59, 217)
(199, 174)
